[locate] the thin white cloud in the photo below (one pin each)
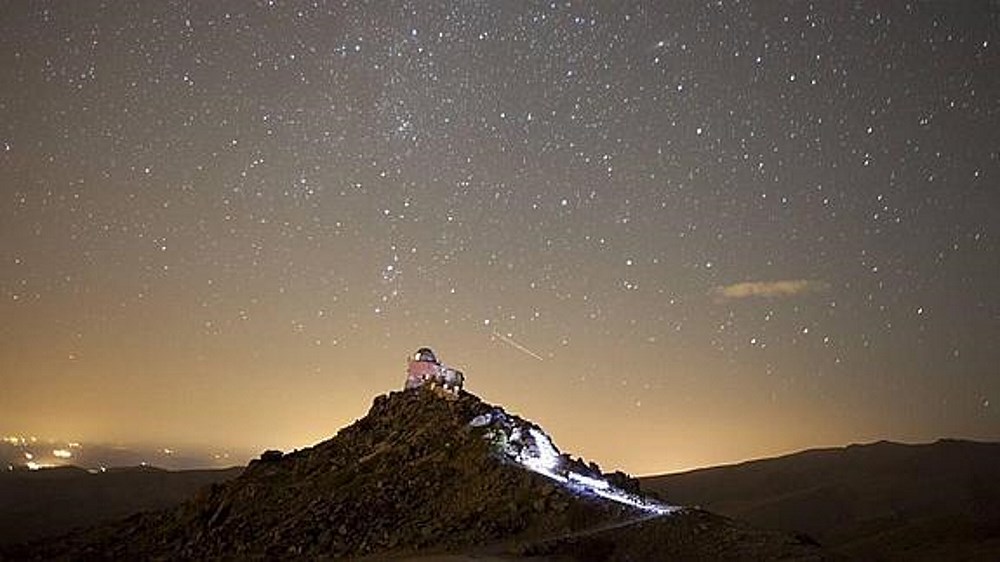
(769, 289)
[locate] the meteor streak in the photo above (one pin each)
(517, 346)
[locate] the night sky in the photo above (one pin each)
(673, 234)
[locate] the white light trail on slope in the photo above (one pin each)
(544, 459)
(595, 483)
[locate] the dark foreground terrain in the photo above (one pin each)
(413, 481)
(419, 477)
(938, 501)
(46, 503)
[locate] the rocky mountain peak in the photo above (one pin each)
(424, 470)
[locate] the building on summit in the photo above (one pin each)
(424, 369)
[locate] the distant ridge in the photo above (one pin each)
(44, 503)
(939, 499)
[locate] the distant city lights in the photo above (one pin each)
(32, 453)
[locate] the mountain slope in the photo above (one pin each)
(36, 504)
(422, 473)
(863, 500)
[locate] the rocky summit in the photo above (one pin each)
(423, 472)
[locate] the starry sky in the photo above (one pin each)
(673, 234)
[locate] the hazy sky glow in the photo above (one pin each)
(673, 234)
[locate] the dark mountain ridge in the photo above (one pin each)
(933, 500)
(41, 503)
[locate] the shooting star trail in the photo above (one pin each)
(517, 346)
